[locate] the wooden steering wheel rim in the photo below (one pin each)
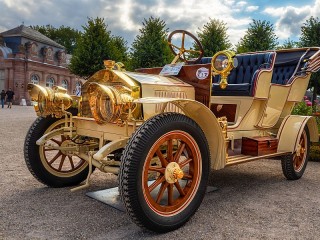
(182, 46)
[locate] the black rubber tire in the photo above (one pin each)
(34, 163)
(132, 164)
(287, 162)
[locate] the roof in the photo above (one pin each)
(31, 34)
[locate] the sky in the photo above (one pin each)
(124, 17)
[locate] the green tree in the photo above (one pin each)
(260, 36)
(66, 36)
(119, 49)
(150, 47)
(213, 37)
(310, 37)
(95, 45)
(288, 44)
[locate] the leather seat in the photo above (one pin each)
(241, 79)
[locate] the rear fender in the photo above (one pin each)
(291, 129)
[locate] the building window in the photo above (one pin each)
(50, 82)
(64, 84)
(78, 88)
(35, 79)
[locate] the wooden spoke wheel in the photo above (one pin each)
(294, 165)
(57, 162)
(174, 147)
(187, 55)
(55, 168)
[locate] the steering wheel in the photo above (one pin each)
(181, 52)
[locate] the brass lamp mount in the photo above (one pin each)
(222, 63)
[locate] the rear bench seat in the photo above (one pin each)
(242, 78)
(285, 67)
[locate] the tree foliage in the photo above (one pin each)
(213, 37)
(66, 36)
(150, 47)
(310, 37)
(95, 45)
(288, 44)
(260, 36)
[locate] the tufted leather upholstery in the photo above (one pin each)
(205, 60)
(242, 78)
(282, 73)
(286, 63)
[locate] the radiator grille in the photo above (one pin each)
(169, 94)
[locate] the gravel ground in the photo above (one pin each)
(253, 201)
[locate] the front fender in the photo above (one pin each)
(291, 129)
(207, 121)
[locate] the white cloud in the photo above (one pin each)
(290, 19)
(241, 3)
(252, 8)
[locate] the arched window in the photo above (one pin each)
(50, 82)
(64, 84)
(78, 88)
(34, 79)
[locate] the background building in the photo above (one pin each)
(28, 56)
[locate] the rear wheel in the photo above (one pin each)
(294, 165)
(54, 168)
(173, 149)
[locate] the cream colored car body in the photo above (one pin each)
(266, 113)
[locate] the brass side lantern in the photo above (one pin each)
(222, 63)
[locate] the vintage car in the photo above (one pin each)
(163, 130)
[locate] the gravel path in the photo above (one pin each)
(253, 201)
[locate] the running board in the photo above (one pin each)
(236, 159)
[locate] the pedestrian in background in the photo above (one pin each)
(3, 97)
(10, 96)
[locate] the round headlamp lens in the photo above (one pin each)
(221, 62)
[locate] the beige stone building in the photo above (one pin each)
(28, 56)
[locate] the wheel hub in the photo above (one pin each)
(173, 172)
(300, 150)
(67, 143)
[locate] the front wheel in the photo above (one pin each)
(173, 149)
(294, 165)
(54, 168)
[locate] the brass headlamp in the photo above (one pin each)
(49, 101)
(109, 103)
(222, 63)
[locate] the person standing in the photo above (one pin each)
(10, 96)
(3, 97)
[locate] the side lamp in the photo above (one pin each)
(221, 64)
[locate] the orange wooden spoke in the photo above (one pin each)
(301, 141)
(55, 157)
(163, 161)
(62, 161)
(157, 169)
(179, 188)
(187, 176)
(179, 152)
(185, 162)
(156, 183)
(170, 194)
(161, 191)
